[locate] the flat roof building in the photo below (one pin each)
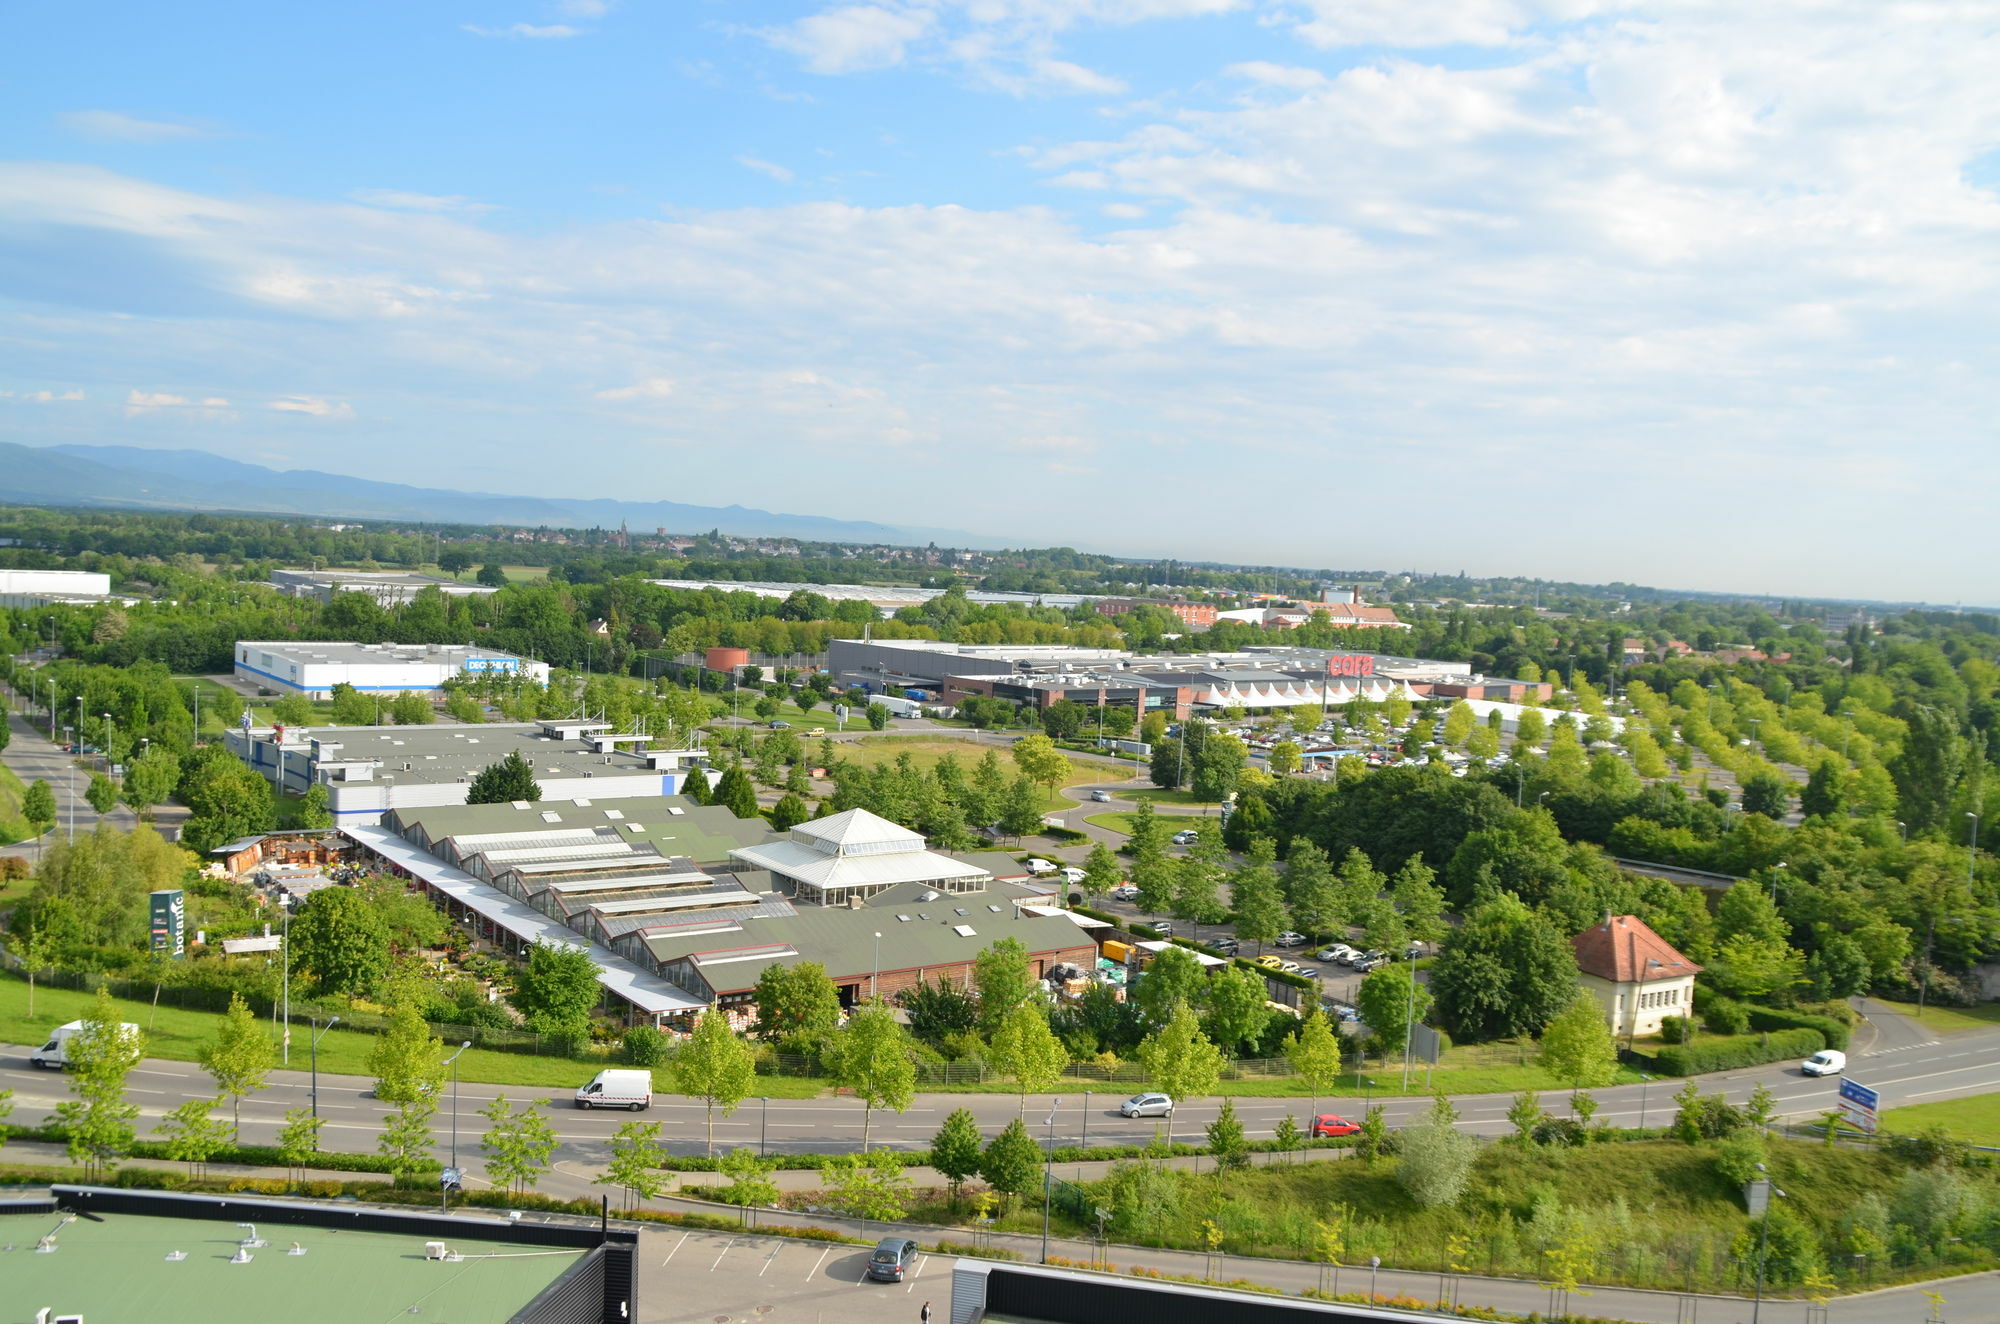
(313, 669)
(390, 588)
(371, 770)
(48, 588)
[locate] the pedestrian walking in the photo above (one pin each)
(924, 1315)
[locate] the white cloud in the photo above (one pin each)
(406, 201)
(43, 397)
(652, 388)
(312, 405)
(116, 126)
(141, 403)
(852, 38)
(586, 8)
(546, 32)
(770, 168)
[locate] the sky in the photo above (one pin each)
(1676, 292)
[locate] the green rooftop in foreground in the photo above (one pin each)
(117, 1272)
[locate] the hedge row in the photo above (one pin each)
(263, 1156)
(1747, 1050)
(917, 1158)
(1785, 1018)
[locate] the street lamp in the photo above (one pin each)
(452, 1062)
(318, 1034)
(1763, 1245)
(1781, 864)
(1049, 1178)
(107, 741)
(1645, 1085)
(875, 971)
(763, 1124)
(285, 901)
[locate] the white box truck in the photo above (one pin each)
(618, 1088)
(53, 1055)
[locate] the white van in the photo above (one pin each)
(618, 1088)
(1038, 867)
(54, 1056)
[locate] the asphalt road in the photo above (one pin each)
(1905, 1067)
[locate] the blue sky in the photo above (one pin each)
(1681, 293)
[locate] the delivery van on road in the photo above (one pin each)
(618, 1088)
(55, 1056)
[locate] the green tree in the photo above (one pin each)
(1179, 1059)
(492, 576)
(1260, 909)
(239, 1059)
(790, 811)
(1174, 978)
(406, 1059)
(97, 1122)
(871, 1057)
(1198, 881)
(351, 707)
(1238, 1007)
(557, 990)
(293, 710)
(193, 1137)
(1927, 767)
(1526, 1113)
(1025, 1048)
(1506, 971)
(316, 809)
(1012, 1162)
(406, 1135)
(872, 1186)
(506, 782)
(298, 1138)
(1100, 873)
(797, 1006)
(1435, 1162)
(1767, 794)
(735, 793)
(637, 1157)
(714, 1066)
(412, 709)
(226, 799)
(1226, 1139)
(341, 939)
(1040, 761)
(1530, 728)
(1391, 1001)
(1419, 900)
(955, 1150)
(749, 1176)
(1285, 758)
(38, 807)
(1578, 1047)
(877, 715)
(1005, 981)
(1310, 891)
(1372, 1141)
(518, 1145)
(1218, 768)
(1459, 721)
(1020, 809)
(102, 793)
(1314, 1052)
(1823, 795)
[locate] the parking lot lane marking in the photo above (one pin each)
(769, 1258)
(677, 1246)
(725, 1251)
(816, 1263)
(916, 1273)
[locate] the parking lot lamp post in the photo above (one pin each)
(1084, 1142)
(318, 1034)
(763, 1124)
(1049, 1178)
(1763, 1245)
(875, 972)
(107, 741)
(1646, 1083)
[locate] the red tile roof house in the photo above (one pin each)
(1634, 974)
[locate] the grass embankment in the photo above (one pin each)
(1975, 1121)
(180, 1035)
(1646, 1214)
(1949, 1020)
(1160, 796)
(13, 827)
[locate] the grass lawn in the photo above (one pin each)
(1975, 1121)
(180, 1035)
(1950, 1020)
(928, 751)
(1120, 823)
(1160, 796)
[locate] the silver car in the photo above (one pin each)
(1147, 1105)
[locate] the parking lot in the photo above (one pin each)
(715, 1278)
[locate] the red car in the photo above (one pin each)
(1332, 1125)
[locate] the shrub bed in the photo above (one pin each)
(263, 1156)
(1786, 1018)
(1747, 1050)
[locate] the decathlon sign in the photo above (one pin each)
(1351, 664)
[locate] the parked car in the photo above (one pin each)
(1291, 967)
(1225, 944)
(1163, 927)
(1290, 939)
(1125, 892)
(1332, 1125)
(1101, 797)
(892, 1259)
(1308, 971)
(1339, 952)
(1186, 837)
(1826, 1062)
(1072, 874)
(1363, 964)
(1271, 962)
(1147, 1105)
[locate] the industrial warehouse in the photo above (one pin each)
(313, 669)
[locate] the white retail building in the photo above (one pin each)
(313, 669)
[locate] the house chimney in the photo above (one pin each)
(1355, 593)
(1607, 921)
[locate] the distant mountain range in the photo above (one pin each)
(130, 477)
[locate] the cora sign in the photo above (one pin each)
(1351, 664)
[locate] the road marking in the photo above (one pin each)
(725, 1251)
(816, 1263)
(677, 1246)
(921, 1259)
(768, 1259)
